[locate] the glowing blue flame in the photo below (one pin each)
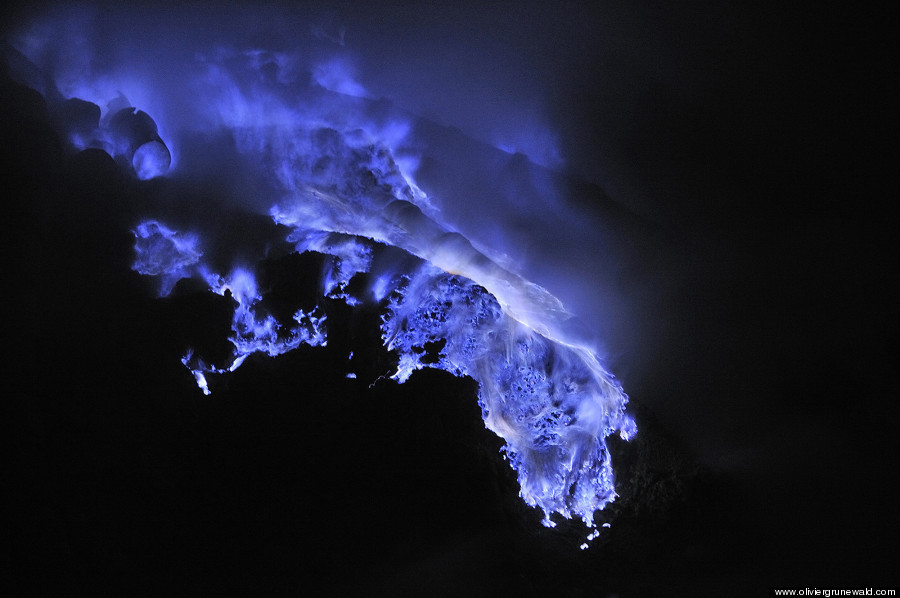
(550, 399)
(541, 387)
(552, 403)
(340, 178)
(161, 251)
(252, 334)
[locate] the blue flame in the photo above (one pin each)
(540, 389)
(553, 403)
(161, 251)
(340, 173)
(252, 333)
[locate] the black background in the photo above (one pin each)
(752, 152)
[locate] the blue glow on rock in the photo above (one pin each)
(151, 160)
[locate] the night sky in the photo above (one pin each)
(734, 169)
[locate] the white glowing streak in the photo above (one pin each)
(403, 224)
